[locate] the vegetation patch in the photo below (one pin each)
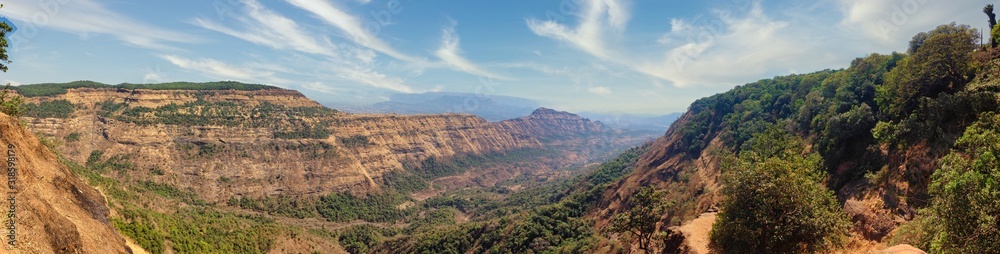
(49, 109)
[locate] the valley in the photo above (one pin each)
(271, 159)
(342, 139)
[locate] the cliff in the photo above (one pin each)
(55, 211)
(225, 143)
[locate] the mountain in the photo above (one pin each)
(200, 136)
(235, 159)
(55, 211)
(490, 107)
(634, 122)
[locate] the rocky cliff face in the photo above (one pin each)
(55, 212)
(222, 144)
(690, 180)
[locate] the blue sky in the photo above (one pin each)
(642, 56)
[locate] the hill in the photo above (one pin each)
(55, 211)
(881, 128)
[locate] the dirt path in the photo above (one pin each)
(696, 232)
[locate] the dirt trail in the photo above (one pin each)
(696, 232)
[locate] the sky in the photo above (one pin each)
(640, 57)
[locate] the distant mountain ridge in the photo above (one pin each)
(658, 123)
(493, 108)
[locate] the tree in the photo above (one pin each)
(10, 106)
(4, 29)
(993, 22)
(774, 200)
(966, 190)
(939, 62)
(647, 207)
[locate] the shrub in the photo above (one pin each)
(966, 191)
(774, 201)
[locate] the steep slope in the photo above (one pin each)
(271, 141)
(881, 127)
(55, 211)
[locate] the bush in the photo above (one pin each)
(966, 191)
(73, 137)
(12, 106)
(774, 201)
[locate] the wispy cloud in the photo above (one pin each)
(321, 57)
(264, 27)
(86, 17)
(748, 47)
(351, 27)
(891, 22)
(732, 48)
(597, 17)
(599, 90)
(450, 53)
(219, 70)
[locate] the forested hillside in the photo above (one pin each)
(896, 141)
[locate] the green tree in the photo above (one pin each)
(647, 208)
(4, 29)
(966, 189)
(774, 201)
(939, 62)
(11, 106)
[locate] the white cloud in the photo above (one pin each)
(730, 47)
(745, 49)
(264, 27)
(85, 17)
(450, 53)
(153, 75)
(678, 25)
(891, 23)
(323, 58)
(599, 90)
(220, 70)
(350, 26)
(597, 18)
